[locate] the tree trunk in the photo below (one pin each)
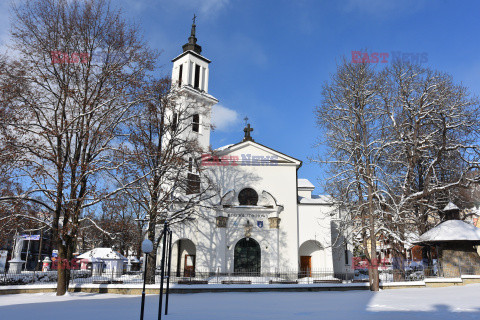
(61, 271)
(373, 275)
(71, 244)
(152, 257)
(398, 263)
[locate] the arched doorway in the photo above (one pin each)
(247, 257)
(311, 258)
(183, 258)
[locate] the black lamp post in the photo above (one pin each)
(165, 266)
(147, 247)
(169, 265)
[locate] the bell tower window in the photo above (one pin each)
(248, 197)
(174, 121)
(180, 74)
(197, 77)
(196, 122)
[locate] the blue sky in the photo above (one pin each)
(270, 58)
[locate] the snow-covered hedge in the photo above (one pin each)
(34, 277)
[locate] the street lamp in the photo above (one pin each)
(147, 247)
(165, 264)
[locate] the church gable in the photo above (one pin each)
(249, 153)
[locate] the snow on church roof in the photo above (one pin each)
(316, 199)
(305, 183)
(101, 253)
(451, 230)
(224, 147)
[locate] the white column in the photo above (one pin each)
(186, 72)
(221, 250)
(206, 80)
(200, 125)
(202, 79)
(191, 71)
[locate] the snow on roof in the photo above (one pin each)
(101, 253)
(451, 230)
(133, 259)
(224, 147)
(410, 239)
(450, 206)
(316, 199)
(304, 183)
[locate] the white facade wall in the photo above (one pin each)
(189, 103)
(304, 229)
(306, 193)
(279, 246)
(315, 233)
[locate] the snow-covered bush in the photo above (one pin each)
(28, 277)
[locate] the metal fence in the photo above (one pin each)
(199, 276)
(420, 273)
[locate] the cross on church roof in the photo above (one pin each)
(247, 131)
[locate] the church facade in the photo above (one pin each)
(264, 219)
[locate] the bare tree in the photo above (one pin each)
(114, 226)
(80, 68)
(432, 147)
(15, 215)
(402, 143)
(351, 121)
(163, 157)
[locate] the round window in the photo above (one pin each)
(248, 197)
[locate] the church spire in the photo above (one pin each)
(192, 40)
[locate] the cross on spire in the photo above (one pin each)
(192, 40)
(247, 131)
(192, 32)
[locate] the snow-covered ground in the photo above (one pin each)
(459, 302)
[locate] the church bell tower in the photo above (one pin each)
(190, 75)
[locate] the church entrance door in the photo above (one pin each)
(247, 257)
(305, 266)
(189, 266)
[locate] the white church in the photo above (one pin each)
(265, 218)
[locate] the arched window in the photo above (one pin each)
(248, 197)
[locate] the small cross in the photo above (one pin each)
(247, 131)
(194, 18)
(246, 120)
